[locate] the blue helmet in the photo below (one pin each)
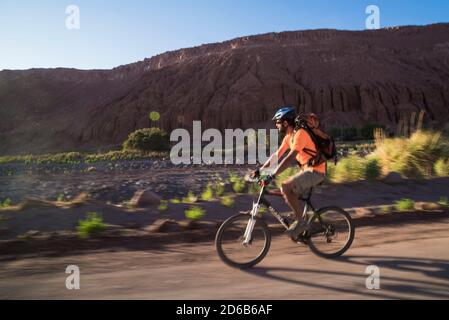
(285, 113)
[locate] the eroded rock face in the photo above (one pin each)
(348, 78)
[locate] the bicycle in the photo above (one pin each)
(325, 231)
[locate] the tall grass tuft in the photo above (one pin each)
(92, 225)
(404, 205)
(414, 157)
(441, 167)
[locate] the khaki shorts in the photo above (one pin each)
(304, 180)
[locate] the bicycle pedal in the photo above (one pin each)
(301, 240)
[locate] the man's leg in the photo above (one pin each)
(292, 198)
(292, 189)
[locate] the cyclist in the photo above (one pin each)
(294, 187)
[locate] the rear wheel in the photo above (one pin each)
(230, 237)
(331, 232)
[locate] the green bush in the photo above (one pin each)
(441, 167)
(207, 194)
(92, 225)
(386, 209)
(414, 157)
(330, 172)
(5, 203)
(152, 139)
(349, 169)
(195, 213)
(354, 168)
(233, 177)
(372, 168)
(227, 201)
(219, 189)
(404, 205)
(238, 183)
(253, 188)
(190, 198)
(163, 206)
(443, 201)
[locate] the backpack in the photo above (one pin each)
(324, 143)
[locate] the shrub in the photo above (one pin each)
(152, 139)
(175, 201)
(239, 185)
(227, 201)
(163, 206)
(207, 194)
(404, 205)
(253, 188)
(372, 168)
(414, 157)
(349, 169)
(441, 167)
(195, 213)
(330, 172)
(219, 189)
(190, 198)
(443, 201)
(5, 203)
(385, 209)
(233, 177)
(91, 226)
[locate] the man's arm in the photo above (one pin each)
(286, 162)
(267, 164)
(278, 154)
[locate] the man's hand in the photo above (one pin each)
(256, 173)
(267, 180)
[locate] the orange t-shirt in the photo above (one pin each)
(298, 142)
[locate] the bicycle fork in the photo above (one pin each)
(247, 237)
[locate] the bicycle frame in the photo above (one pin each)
(263, 201)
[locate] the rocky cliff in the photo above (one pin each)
(348, 77)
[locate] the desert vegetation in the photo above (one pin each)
(91, 226)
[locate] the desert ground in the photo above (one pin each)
(138, 259)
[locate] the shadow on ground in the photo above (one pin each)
(391, 287)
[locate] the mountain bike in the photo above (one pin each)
(244, 240)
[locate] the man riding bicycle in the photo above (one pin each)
(301, 146)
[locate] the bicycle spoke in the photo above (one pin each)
(331, 235)
(232, 245)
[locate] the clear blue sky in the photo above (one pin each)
(33, 33)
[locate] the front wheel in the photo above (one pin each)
(331, 232)
(231, 246)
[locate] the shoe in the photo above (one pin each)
(296, 229)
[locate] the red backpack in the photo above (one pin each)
(324, 143)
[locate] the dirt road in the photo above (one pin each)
(412, 254)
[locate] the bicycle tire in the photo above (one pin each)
(219, 237)
(348, 244)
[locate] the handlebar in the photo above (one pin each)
(251, 178)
